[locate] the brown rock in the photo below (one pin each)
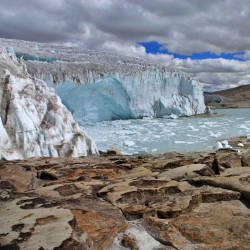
(80, 203)
(33, 228)
(100, 228)
(246, 159)
(129, 243)
(135, 173)
(134, 196)
(197, 228)
(17, 176)
(206, 226)
(113, 151)
(240, 183)
(225, 160)
(188, 171)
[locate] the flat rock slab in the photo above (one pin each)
(45, 228)
(240, 183)
(185, 172)
(205, 227)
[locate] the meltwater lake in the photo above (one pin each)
(163, 135)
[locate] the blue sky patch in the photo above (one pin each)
(153, 47)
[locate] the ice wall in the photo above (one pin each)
(33, 121)
(107, 86)
(104, 100)
(124, 96)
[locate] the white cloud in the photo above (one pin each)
(186, 27)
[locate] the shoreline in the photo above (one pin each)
(205, 115)
(226, 106)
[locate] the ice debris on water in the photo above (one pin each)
(172, 116)
(128, 143)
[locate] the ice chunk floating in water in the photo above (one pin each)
(162, 135)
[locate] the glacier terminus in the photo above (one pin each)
(97, 86)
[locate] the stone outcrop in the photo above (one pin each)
(113, 201)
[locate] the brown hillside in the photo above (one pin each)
(238, 97)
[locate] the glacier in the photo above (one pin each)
(150, 94)
(104, 100)
(33, 120)
(97, 85)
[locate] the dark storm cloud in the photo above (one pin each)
(185, 27)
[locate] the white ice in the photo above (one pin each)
(33, 121)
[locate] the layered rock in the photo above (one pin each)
(33, 121)
(102, 86)
(159, 201)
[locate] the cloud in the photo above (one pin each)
(185, 27)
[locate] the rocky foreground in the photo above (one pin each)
(160, 201)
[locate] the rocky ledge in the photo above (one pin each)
(197, 201)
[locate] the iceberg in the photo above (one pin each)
(33, 120)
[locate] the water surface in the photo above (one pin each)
(162, 135)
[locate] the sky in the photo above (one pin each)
(209, 39)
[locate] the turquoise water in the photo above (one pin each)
(162, 135)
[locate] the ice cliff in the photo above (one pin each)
(33, 121)
(96, 85)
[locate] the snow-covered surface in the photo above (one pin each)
(162, 135)
(33, 121)
(111, 86)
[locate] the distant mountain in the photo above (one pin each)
(238, 97)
